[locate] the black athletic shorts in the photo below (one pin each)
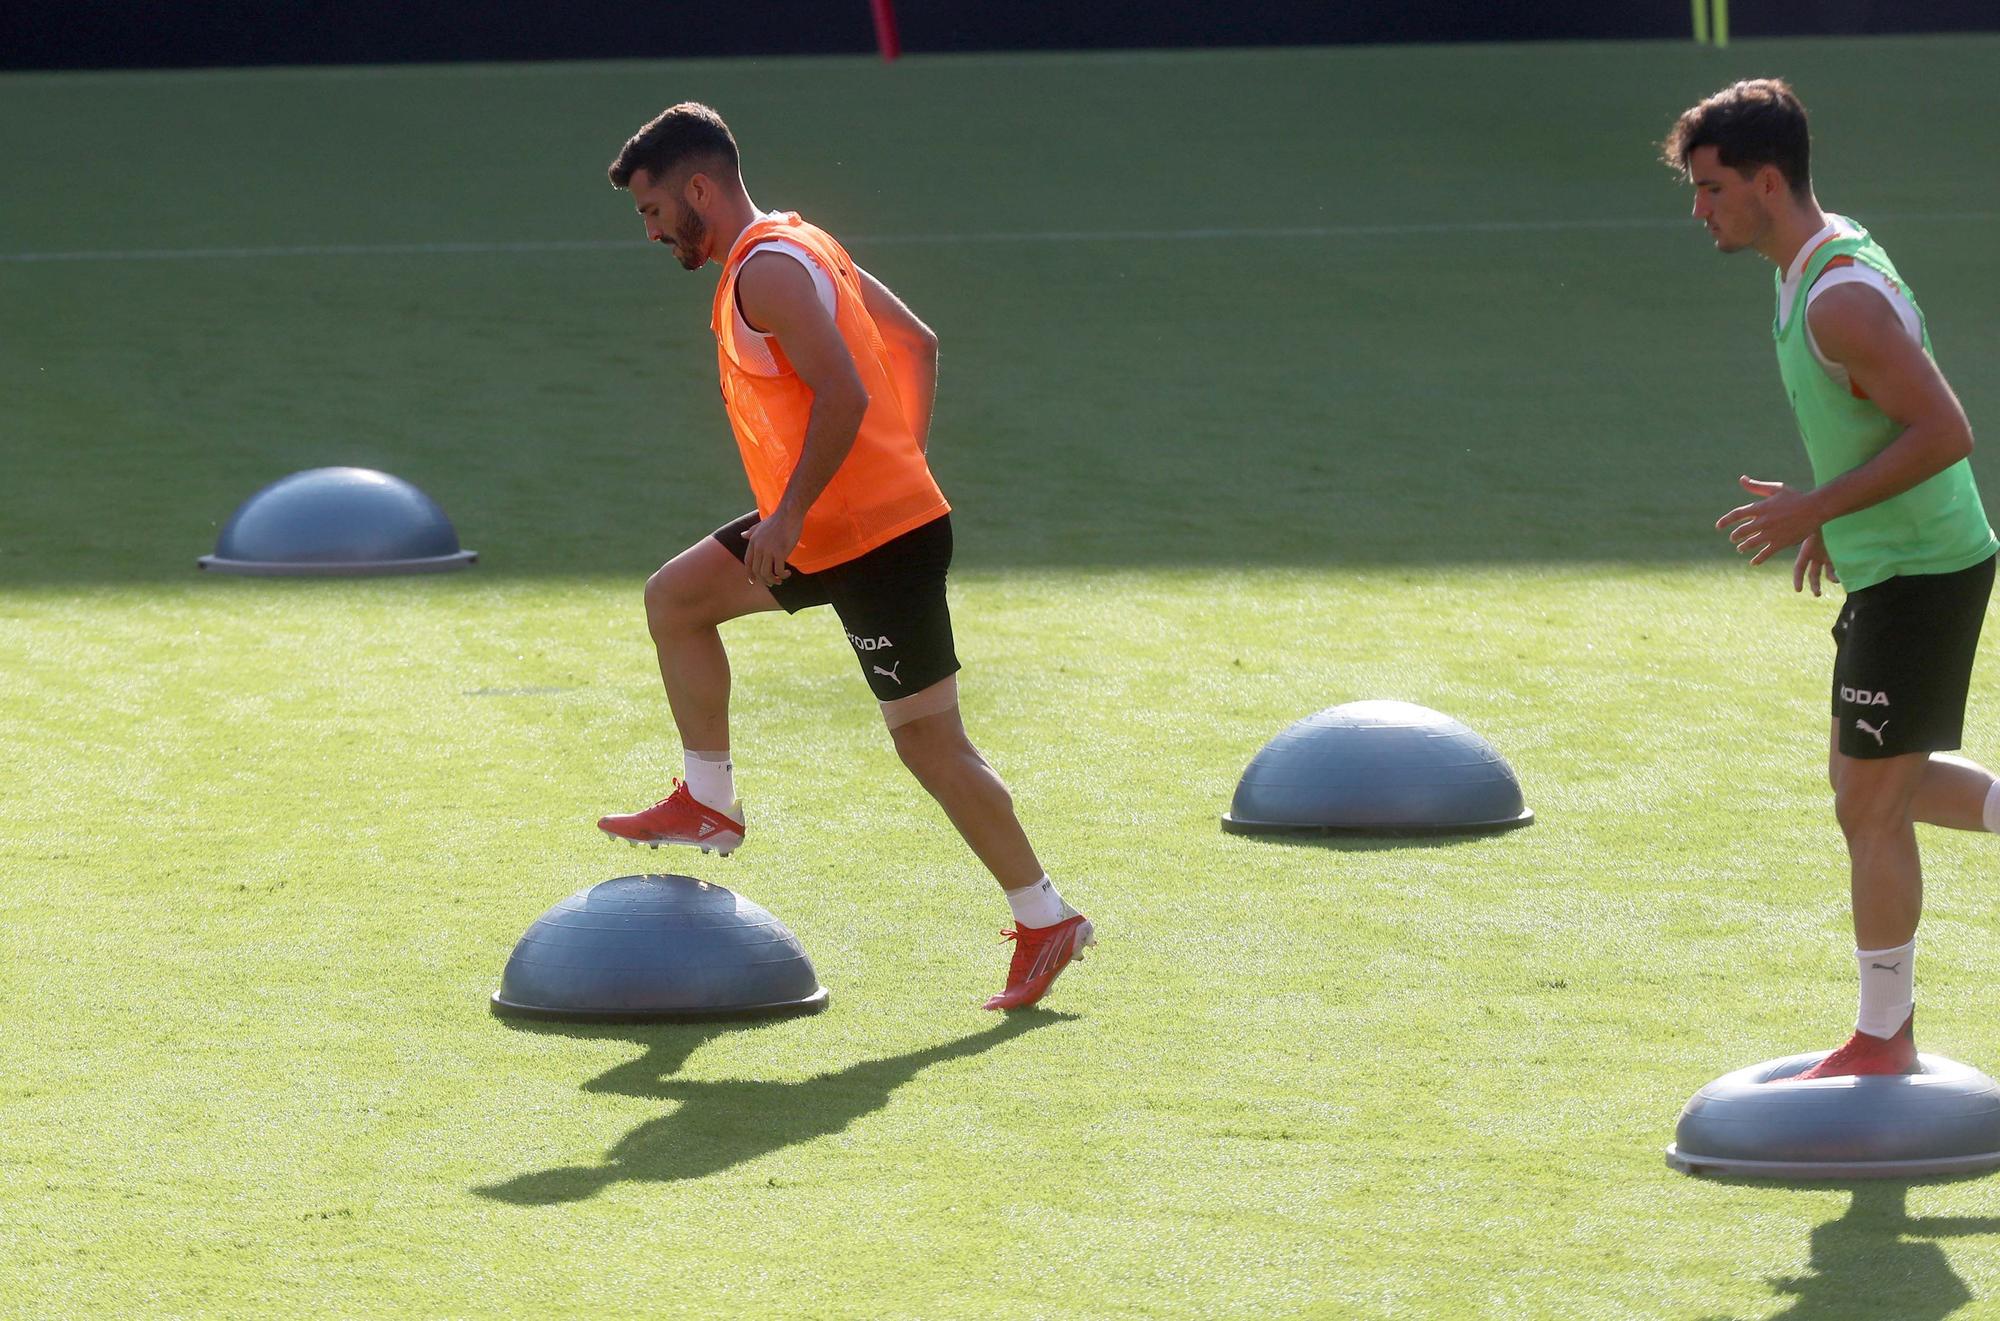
(1903, 661)
(890, 599)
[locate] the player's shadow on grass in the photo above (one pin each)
(1877, 1260)
(720, 1124)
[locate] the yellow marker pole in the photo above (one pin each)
(1701, 22)
(1721, 24)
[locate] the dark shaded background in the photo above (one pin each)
(62, 34)
(1261, 323)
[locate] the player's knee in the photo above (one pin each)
(919, 746)
(670, 601)
(1865, 813)
(934, 748)
(659, 602)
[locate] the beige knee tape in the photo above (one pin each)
(940, 697)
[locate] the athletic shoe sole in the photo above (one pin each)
(721, 845)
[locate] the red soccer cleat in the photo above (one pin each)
(679, 818)
(1040, 955)
(1864, 1054)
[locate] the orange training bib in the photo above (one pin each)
(884, 487)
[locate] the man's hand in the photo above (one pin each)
(1811, 563)
(770, 544)
(1780, 517)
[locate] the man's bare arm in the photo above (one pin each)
(1856, 327)
(777, 296)
(915, 352)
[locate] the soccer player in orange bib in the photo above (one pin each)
(828, 380)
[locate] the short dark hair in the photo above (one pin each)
(680, 133)
(1750, 124)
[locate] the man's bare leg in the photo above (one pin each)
(1048, 933)
(1953, 793)
(687, 600)
(938, 752)
(1875, 800)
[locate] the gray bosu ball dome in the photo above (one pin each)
(639, 948)
(1377, 767)
(1763, 1121)
(337, 521)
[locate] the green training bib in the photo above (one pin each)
(1938, 525)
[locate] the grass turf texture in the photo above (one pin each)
(269, 843)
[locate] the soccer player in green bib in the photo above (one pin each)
(1893, 516)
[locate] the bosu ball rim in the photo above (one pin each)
(1236, 825)
(1836, 1111)
(503, 1008)
(675, 910)
(334, 569)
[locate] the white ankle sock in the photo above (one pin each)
(1037, 905)
(1990, 814)
(1888, 988)
(711, 778)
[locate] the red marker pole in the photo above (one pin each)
(885, 28)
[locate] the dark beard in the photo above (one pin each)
(690, 235)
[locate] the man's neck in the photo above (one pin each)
(1792, 227)
(729, 224)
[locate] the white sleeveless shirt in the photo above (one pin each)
(1857, 273)
(753, 345)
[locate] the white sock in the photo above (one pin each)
(1888, 988)
(1990, 814)
(1037, 905)
(711, 778)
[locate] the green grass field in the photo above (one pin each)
(1271, 380)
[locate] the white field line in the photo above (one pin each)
(1246, 233)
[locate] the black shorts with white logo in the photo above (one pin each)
(890, 599)
(1903, 661)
